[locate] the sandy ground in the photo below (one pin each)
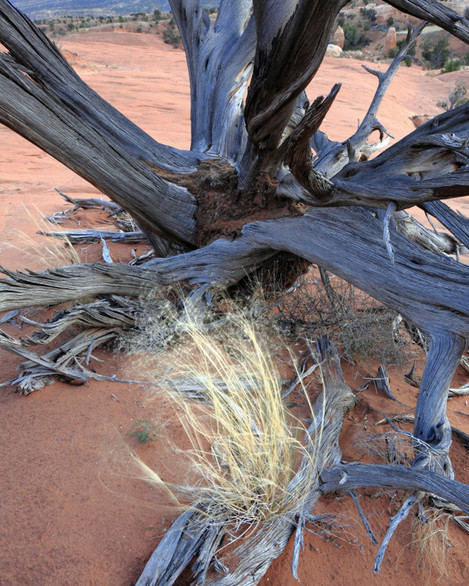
(71, 509)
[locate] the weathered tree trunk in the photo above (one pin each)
(263, 163)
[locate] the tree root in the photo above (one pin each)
(393, 525)
(102, 322)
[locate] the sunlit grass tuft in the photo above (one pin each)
(432, 542)
(245, 445)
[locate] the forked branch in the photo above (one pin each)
(436, 13)
(331, 157)
(292, 38)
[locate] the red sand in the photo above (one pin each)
(71, 511)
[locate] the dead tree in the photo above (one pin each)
(252, 158)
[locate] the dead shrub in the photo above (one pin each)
(361, 327)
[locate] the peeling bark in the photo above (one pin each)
(219, 59)
(292, 38)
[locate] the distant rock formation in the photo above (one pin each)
(383, 12)
(333, 51)
(390, 42)
(339, 37)
(420, 119)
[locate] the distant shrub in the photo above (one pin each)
(451, 65)
(354, 39)
(171, 35)
(435, 54)
(369, 13)
(390, 21)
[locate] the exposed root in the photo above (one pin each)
(102, 323)
(393, 525)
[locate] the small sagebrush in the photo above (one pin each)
(143, 431)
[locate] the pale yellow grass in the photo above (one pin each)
(49, 255)
(245, 446)
(432, 542)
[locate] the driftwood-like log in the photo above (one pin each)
(429, 290)
(346, 477)
(76, 282)
(81, 236)
(284, 43)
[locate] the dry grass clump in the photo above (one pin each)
(156, 324)
(430, 531)
(52, 255)
(245, 445)
(388, 448)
